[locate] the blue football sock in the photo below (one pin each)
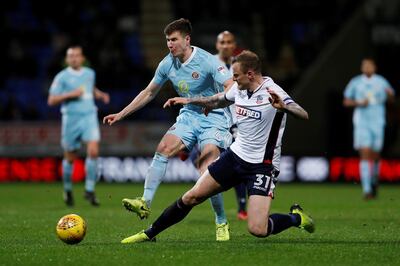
(91, 174)
(279, 222)
(67, 175)
(154, 176)
(241, 196)
(217, 203)
(365, 175)
(375, 173)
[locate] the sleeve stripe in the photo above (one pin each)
(288, 100)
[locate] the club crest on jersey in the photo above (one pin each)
(195, 75)
(259, 99)
(248, 112)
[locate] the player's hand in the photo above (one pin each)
(275, 100)
(111, 119)
(175, 101)
(363, 103)
(75, 93)
(105, 97)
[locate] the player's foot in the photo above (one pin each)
(242, 215)
(374, 191)
(307, 223)
(91, 197)
(137, 238)
(369, 196)
(222, 232)
(68, 198)
(137, 206)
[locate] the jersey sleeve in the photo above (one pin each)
(386, 85)
(161, 74)
(281, 93)
(349, 91)
(57, 85)
(231, 93)
(218, 71)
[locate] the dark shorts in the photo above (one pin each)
(229, 170)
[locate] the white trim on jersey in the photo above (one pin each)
(75, 72)
(190, 57)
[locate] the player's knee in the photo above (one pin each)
(93, 153)
(257, 230)
(165, 149)
(191, 198)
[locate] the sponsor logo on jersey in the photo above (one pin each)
(183, 86)
(195, 75)
(259, 99)
(248, 112)
(222, 70)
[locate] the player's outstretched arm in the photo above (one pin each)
(212, 102)
(291, 108)
(143, 98)
(101, 95)
(56, 99)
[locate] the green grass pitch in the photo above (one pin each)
(349, 230)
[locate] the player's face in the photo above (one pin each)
(75, 57)
(368, 67)
(178, 43)
(226, 45)
(240, 77)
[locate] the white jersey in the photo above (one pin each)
(260, 125)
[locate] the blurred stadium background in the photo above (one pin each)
(312, 48)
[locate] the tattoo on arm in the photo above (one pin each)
(211, 102)
(296, 110)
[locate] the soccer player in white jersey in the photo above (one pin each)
(193, 73)
(368, 93)
(261, 108)
(74, 88)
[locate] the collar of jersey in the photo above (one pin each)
(367, 78)
(75, 72)
(191, 56)
(259, 87)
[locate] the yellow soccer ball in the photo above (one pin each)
(71, 229)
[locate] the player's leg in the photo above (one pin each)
(210, 153)
(375, 173)
(91, 136)
(213, 137)
(168, 147)
(260, 223)
(70, 142)
(241, 195)
(91, 171)
(177, 211)
(379, 134)
(67, 167)
(366, 170)
(180, 136)
(363, 141)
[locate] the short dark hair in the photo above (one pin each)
(369, 58)
(182, 25)
(75, 46)
(248, 61)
